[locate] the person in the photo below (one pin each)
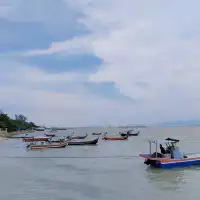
(162, 149)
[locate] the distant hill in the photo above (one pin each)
(182, 123)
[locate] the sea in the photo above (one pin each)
(111, 170)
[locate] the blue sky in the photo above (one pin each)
(79, 63)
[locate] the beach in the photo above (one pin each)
(5, 134)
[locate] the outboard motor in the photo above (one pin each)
(148, 162)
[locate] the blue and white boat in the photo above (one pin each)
(171, 156)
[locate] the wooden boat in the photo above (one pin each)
(45, 145)
(35, 139)
(89, 142)
(50, 135)
(79, 137)
(171, 157)
(96, 133)
(58, 139)
(22, 137)
(130, 133)
(114, 138)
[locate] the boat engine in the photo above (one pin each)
(152, 162)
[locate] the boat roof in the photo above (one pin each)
(168, 140)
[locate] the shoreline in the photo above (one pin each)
(4, 135)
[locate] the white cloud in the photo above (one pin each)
(63, 109)
(22, 91)
(151, 42)
(77, 45)
(150, 51)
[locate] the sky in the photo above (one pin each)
(100, 62)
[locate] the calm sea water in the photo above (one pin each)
(101, 172)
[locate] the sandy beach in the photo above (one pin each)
(4, 135)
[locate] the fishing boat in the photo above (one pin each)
(169, 157)
(81, 142)
(96, 133)
(58, 139)
(50, 135)
(45, 145)
(133, 132)
(35, 139)
(21, 136)
(130, 133)
(125, 137)
(79, 137)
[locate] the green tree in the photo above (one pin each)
(19, 123)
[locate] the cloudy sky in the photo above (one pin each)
(99, 62)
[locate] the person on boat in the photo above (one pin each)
(162, 149)
(176, 153)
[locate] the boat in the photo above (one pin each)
(50, 135)
(21, 136)
(81, 142)
(35, 139)
(130, 133)
(45, 145)
(79, 137)
(125, 137)
(58, 139)
(40, 128)
(169, 157)
(96, 133)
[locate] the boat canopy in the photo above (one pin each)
(167, 141)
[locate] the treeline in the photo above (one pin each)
(18, 123)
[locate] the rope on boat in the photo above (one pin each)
(73, 157)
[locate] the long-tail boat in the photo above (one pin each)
(114, 138)
(49, 134)
(81, 142)
(36, 139)
(45, 145)
(96, 133)
(79, 137)
(130, 133)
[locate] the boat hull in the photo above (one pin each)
(115, 138)
(134, 134)
(79, 137)
(50, 135)
(170, 163)
(96, 133)
(35, 139)
(48, 146)
(92, 142)
(130, 134)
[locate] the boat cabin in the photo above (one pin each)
(168, 149)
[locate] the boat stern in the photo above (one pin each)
(155, 162)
